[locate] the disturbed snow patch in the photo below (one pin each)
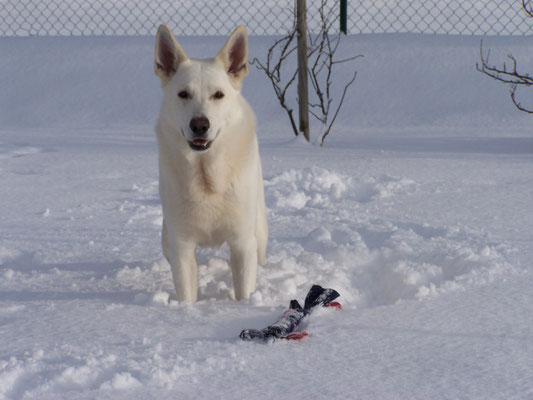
(324, 236)
(370, 261)
(325, 229)
(319, 187)
(405, 266)
(297, 188)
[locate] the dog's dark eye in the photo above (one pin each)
(218, 95)
(184, 94)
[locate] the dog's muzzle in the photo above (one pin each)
(199, 127)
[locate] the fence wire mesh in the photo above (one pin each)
(270, 17)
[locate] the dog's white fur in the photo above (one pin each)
(213, 196)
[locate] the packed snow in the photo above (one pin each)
(418, 210)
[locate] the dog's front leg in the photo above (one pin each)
(184, 270)
(243, 260)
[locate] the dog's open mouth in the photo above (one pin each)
(200, 144)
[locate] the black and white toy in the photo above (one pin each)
(286, 327)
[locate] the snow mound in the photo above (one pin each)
(298, 188)
(319, 188)
(371, 262)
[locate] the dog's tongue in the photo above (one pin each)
(199, 142)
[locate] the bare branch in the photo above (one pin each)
(515, 102)
(502, 74)
(326, 133)
(318, 117)
(276, 56)
(509, 76)
(348, 59)
(527, 5)
(323, 47)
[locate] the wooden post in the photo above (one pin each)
(303, 98)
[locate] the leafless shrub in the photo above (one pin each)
(321, 49)
(273, 68)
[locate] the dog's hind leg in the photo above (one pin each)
(243, 260)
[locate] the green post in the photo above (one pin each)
(344, 16)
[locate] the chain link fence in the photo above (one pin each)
(269, 17)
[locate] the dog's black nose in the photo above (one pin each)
(199, 125)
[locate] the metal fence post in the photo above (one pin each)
(344, 16)
(303, 98)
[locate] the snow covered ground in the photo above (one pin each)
(418, 210)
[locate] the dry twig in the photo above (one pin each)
(527, 5)
(505, 74)
(323, 47)
(276, 57)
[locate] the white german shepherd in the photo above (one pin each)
(210, 178)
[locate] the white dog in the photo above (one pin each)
(210, 178)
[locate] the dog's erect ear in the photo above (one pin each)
(234, 55)
(168, 54)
